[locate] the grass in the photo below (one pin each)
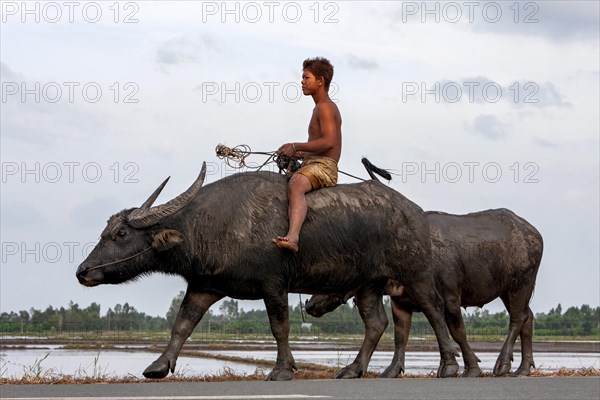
(35, 371)
(227, 375)
(98, 372)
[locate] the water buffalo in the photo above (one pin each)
(218, 238)
(476, 258)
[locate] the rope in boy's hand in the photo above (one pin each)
(236, 158)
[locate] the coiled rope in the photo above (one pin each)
(236, 158)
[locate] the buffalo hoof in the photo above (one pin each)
(447, 370)
(352, 371)
(472, 372)
(522, 372)
(501, 369)
(391, 372)
(280, 375)
(158, 369)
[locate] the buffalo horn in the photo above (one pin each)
(145, 217)
(148, 203)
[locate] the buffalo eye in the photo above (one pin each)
(121, 233)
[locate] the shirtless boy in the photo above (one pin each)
(320, 153)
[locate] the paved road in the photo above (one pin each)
(362, 389)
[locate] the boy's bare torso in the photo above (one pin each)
(326, 113)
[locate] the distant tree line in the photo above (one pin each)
(575, 321)
(120, 317)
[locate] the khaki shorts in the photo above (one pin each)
(320, 171)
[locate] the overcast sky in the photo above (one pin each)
(475, 105)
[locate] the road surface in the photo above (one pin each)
(559, 388)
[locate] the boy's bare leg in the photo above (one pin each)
(298, 186)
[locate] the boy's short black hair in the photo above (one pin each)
(320, 67)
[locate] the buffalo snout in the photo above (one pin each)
(318, 305)
(88, 276)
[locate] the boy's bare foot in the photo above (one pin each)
(284, 243)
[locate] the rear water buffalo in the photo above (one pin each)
(356, 237)
(476, 258)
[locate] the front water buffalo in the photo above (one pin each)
(218, 238)
(476, 258)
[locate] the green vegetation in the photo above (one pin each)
(123, 322)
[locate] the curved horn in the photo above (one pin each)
(148, 203)
(145, 217)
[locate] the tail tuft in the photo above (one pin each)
(379, 171)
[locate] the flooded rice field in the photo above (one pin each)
(425, 362)
(130, 362)
(103, 363)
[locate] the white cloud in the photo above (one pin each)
(482, 90)
(560, 21)
(488, 126)
(544, 142)
(20, 214)
(360, 63)
(87, 213)
(183, 50)
(7, 74)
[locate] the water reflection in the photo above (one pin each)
(108, 363)
(426, 362)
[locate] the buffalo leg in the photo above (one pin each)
(456, 326)
(191, 311)
(370, 306)
(517, 306)
(432, 306)
(277, 309)
(402, 322)
(526, 346)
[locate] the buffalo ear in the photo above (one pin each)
(166, 239)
